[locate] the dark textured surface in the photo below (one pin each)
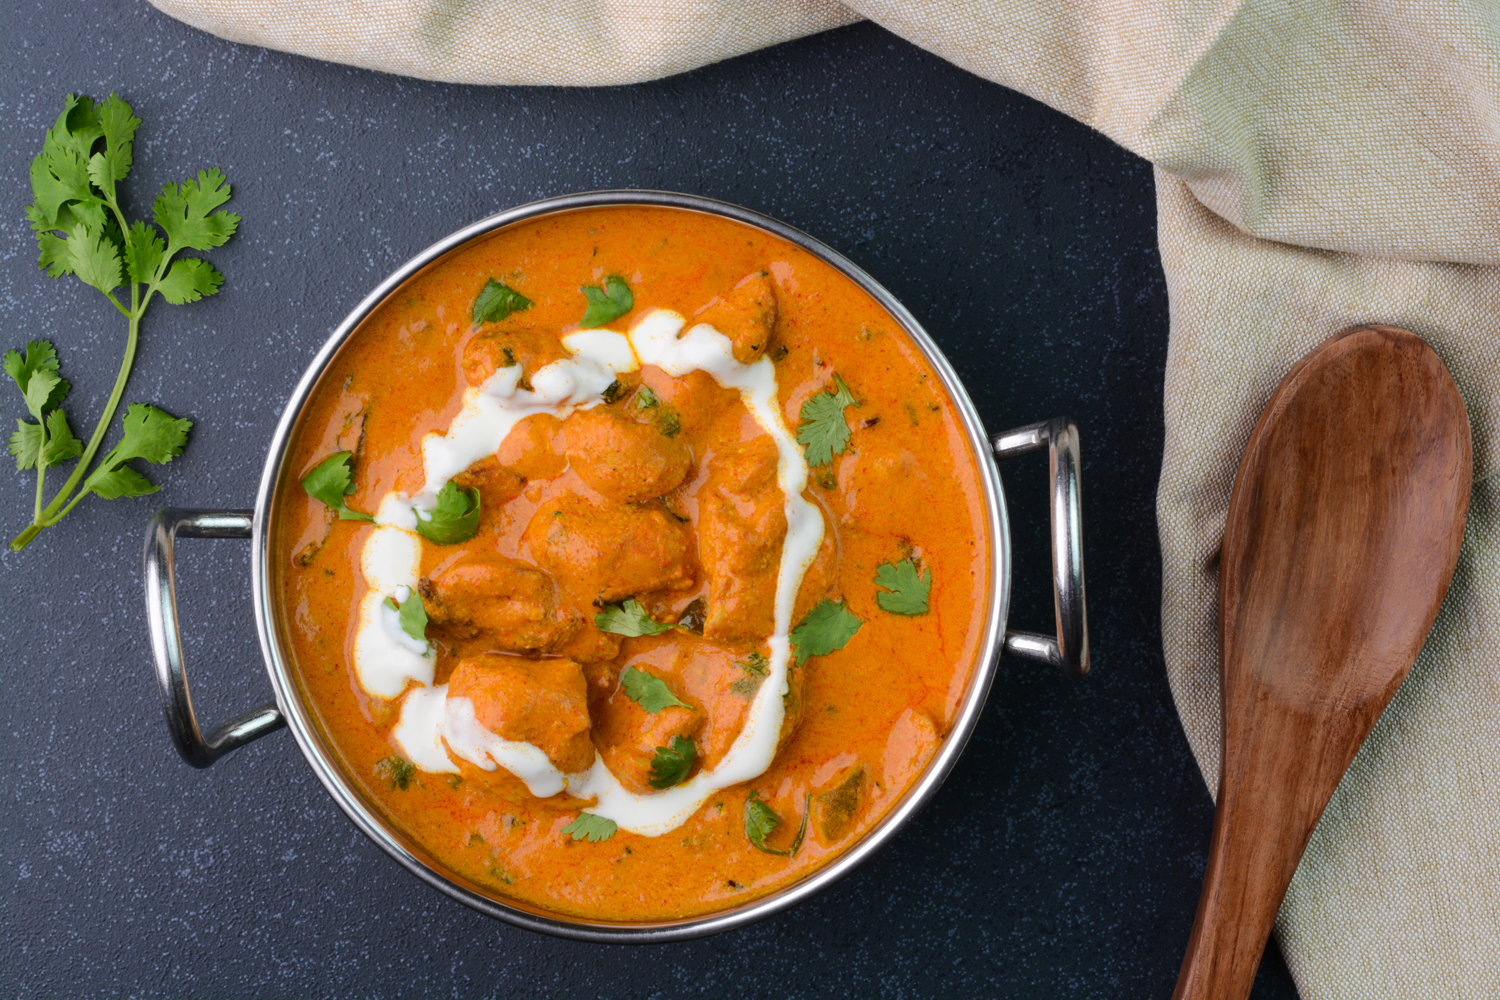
(1062, 858)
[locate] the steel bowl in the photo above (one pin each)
(1068, 651)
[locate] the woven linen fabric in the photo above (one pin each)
(1319, 165)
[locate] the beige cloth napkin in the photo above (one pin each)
(1318, 165)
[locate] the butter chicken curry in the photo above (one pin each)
(637, 565)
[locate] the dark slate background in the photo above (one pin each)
(1062, 858)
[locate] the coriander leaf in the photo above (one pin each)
(497, 301)
(121, 482)
(668, 423)
(40, 356)
(605, 304)
(143, 252)
(801, 827)
(152, 434)
(613, 391)
(645, 399)
(185, 212)
(756, 664)
(591, 827)
(118, 123)
(908, 588)
(330, 481)
(411, 614)
(826, 628)
(648, 691)
(39, 390)
(397, 770)
(455, 518)
(26, 444)
(628, 619)
(189, 280)
(760, 820)
(823, 431)
(94, 258)
(61, 444)
(672, 763)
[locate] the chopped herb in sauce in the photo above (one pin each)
(694, 615)
(668, 423)
(756, 668)
(591, 827)
(645, 399)
(605, 304)
(649, 691)
(397, 770)
(412, 615)
(826, 628)
(908, 587)
(757, 664)
(455, 518)
(497, 301)
(672, 763)
(761, 820)
(628, 619)
(823, 432)
(615, 390)
(330, 481)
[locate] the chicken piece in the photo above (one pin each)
(528, 346)
(719, 683)
(624, 459)
(609, 552)
(747, 316)
(490, 602)
(741, 527)
(626, 736)
(496, 484)
(534, 448)
(590, 645)
(541, 702)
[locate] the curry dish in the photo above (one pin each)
(632, 562)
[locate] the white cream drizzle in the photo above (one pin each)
(386, 659)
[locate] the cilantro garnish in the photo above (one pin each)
(908, 587)
(591, 827)
(628, 619)
(455, 518)
(668, 423)
(824, 629)
(645, 399)
(761, 820)
(496, 301)
(608, 303)
(397, 770)
(756, 669)
(823, 432)
(330, 481)
(411, 614)
(672, 763)
(695, 614)
(648, 691)
(757, 664)
(613, 391)
(81, 230)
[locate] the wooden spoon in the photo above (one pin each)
(1342, 536)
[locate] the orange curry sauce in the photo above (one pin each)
(871, 714)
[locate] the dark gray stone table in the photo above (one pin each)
(1062, 858)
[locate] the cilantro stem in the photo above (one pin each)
(49, 516)
(41, 477)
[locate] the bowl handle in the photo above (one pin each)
(166, 638)
(1070, 650)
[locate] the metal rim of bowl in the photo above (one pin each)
(984, 668)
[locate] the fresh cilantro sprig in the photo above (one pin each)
(648, 691)
(823, 431)
(591, 827)
(81, 230)
(397, 770)
(826, 628)
(605, 304)
(411, 614)
(496, 301)
(672, 763)
(330, 481)
(629, 619)
(908, 587)
(455, 518)
(761, 820)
